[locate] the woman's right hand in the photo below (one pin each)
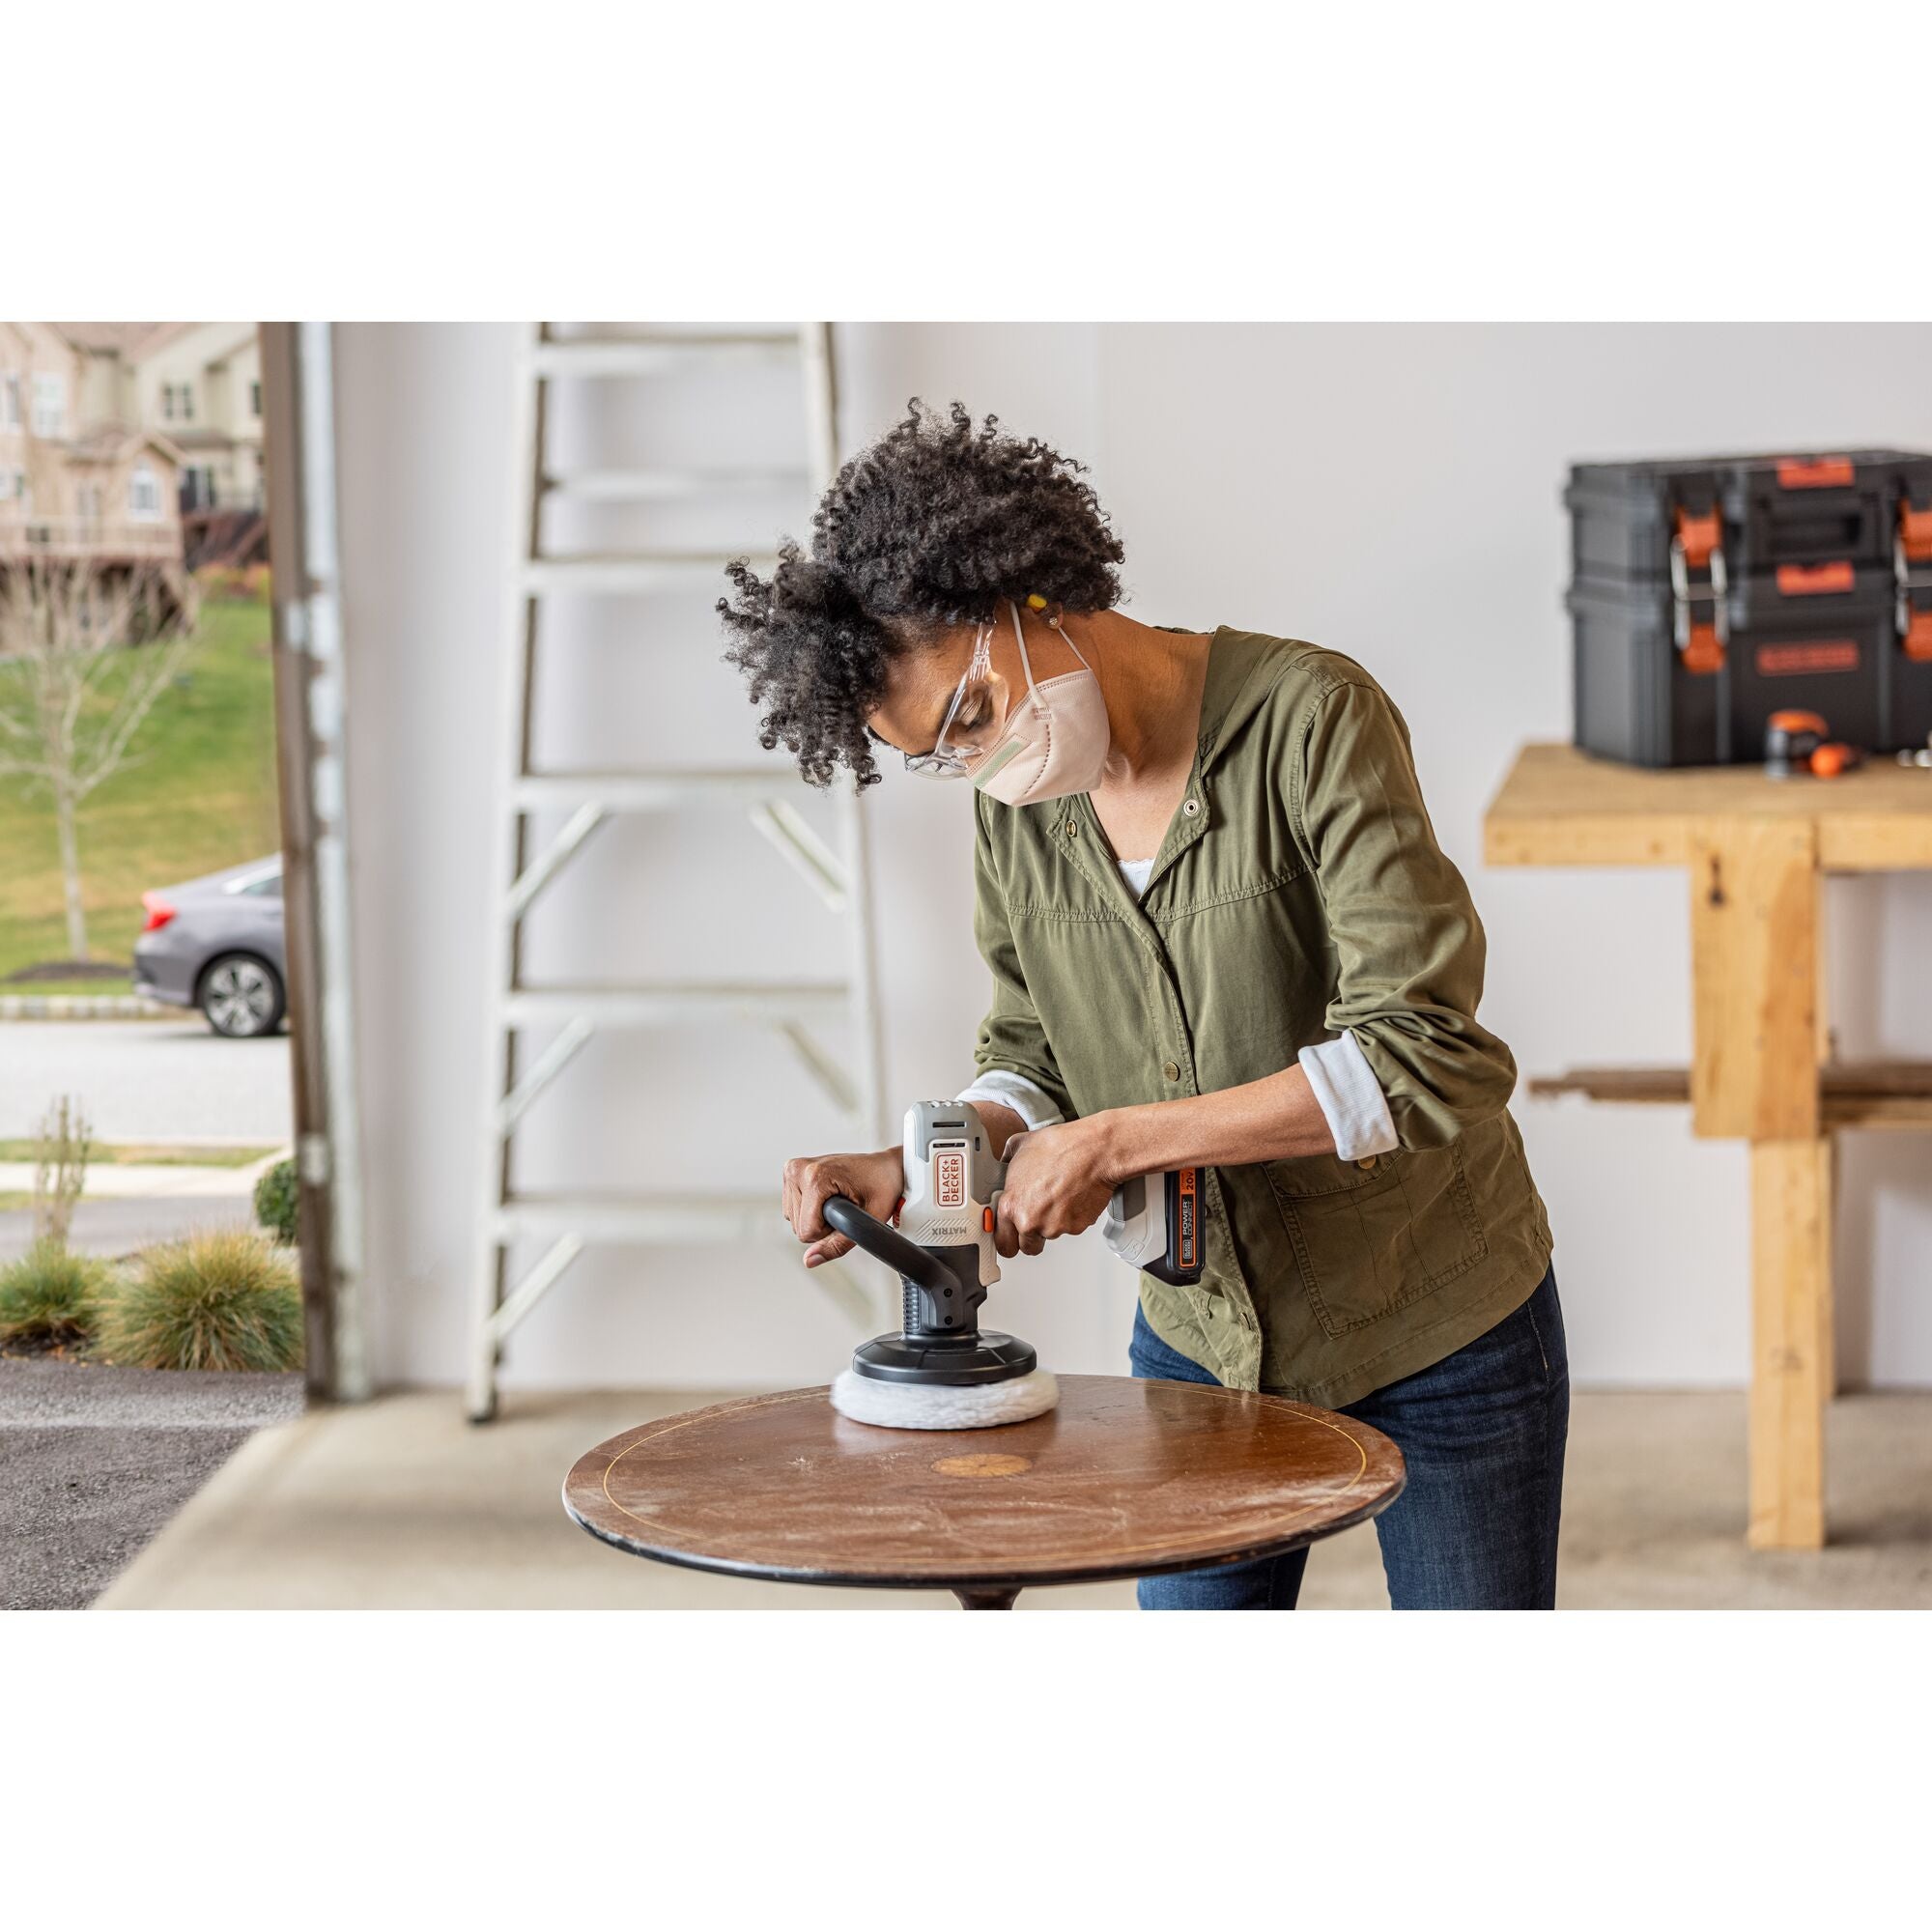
(877, 1181)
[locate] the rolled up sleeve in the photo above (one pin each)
(1011, 1039)
(1408, 949)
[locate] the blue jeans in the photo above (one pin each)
(1481, 1431)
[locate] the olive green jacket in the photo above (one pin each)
(1299, 891)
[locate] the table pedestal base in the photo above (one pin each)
(986, 1600)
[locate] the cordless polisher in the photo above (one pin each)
(941, 1370)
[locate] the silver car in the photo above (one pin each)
(216, 944)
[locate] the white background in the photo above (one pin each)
(1392, 490)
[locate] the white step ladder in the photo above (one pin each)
(840, 873)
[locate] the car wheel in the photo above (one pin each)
(242, 996)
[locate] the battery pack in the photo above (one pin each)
(1154, 1223)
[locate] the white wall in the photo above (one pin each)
(1389, 490)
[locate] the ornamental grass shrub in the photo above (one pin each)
(224, 1298)
(51, 1298)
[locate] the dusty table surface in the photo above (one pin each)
(1124, 1479)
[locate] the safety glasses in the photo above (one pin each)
(973, 720)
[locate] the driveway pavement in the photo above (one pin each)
(146, 1080)
(94, 1461)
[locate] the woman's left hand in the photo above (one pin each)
(1057, 1184)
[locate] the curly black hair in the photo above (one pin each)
(934, 526)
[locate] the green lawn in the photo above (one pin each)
(198, 794)
(148, 1154)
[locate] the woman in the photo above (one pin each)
(1221, 933)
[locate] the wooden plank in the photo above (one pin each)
(1623, 1086)
(1877, 1093)
(1560, 807)
(1753, 979)
(1790, 1306)
(1855, 841)
(1910, 1113)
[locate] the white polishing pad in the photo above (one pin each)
(940, 1405)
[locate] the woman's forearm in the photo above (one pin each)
(1273, 1119)
(1001, 1122)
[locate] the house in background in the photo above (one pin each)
(81, 477)
(198, 383)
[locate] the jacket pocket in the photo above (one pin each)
(1371, 1240)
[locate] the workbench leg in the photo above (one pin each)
(1791, 1303)
(986, 1600)
(1754, 999)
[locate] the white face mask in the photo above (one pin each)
(1055, 740)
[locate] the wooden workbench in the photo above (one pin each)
(1756, 849)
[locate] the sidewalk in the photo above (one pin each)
(126, 1207)
(109, 1182)
(83, 1006)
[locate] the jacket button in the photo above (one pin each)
(1191, 806)
(1172, 1070)
(1368, 1161)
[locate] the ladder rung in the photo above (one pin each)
(675, 336)
(657, 356)
(652, 571)
(630, 486)
(645, 1219)
(656, 790)
(673, 1002)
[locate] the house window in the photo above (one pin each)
(9, 401)
(87, 502)
(254, 399)
(49, 404)
(167, 402)
(144, 495)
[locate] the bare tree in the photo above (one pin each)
(86, 647)
(61, 1151)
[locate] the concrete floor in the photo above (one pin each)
(401, 1504)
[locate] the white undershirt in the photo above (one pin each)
(1344, 1086)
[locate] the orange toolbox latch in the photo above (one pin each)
(1915, 532)
(1699, 545)
(1702, 650)
(1699, 537)
(1912, 551)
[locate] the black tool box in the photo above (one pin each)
(1708, 592)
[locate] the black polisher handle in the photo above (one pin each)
(888, 1245)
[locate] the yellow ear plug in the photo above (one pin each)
(1036, 602)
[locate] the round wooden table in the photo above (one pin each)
(1124, 1479)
